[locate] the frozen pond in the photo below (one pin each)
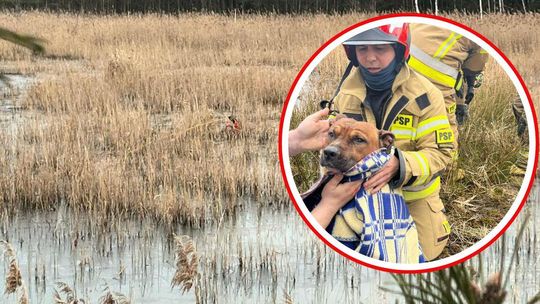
(261, 255)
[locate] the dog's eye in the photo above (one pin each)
(358, 140)
(331, 134)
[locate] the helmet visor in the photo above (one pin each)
(366, 42)
(372, 36)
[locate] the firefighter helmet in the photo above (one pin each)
(385, 34)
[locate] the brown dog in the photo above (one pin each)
(376, 225)
(350, 142)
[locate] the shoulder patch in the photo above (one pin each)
(404, 120)
(423, 101)
(444, 136)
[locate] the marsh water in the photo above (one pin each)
(258, 254)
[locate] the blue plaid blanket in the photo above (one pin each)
(378, 226)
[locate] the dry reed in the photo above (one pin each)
(70, 296)
(112, 297)
(14, 282)
(186, 263)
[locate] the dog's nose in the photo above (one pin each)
(330, 152)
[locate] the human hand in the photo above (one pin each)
(311, 134)
(334, 197)
(383, 176)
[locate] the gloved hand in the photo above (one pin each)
(462, 113)
(478, 80)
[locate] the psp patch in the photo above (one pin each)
(444, 136)
(404, 120)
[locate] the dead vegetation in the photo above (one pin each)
(14, 282)
(186, 263)
(112, 297)
(135, 125)
(64, 294)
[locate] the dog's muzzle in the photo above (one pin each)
(332, 158)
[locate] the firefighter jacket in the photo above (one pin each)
(444, 57)
(416, 114)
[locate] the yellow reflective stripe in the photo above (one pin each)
(402, 133)
(430, 125)
(451, 109)
(431, 73)
(429, 190)
(441, 47)
(424, 168)
(459, 84)
(446, 45)
(449, 46)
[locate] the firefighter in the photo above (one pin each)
(449, 60)
(380, 88)
(519, 167)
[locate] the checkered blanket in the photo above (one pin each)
(378, 226)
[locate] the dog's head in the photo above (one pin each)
(350, 142)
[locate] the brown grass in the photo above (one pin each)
(127, 113)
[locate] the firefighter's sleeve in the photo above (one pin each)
(476, 61)
(434, 141)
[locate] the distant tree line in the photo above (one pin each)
(276, 6)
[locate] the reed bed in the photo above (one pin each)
(126, 114)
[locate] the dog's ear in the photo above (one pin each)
(386, 139)
(338, 117)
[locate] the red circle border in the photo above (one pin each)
(282, 119)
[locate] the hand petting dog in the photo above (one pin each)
(311, 134)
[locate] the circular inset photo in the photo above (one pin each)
(408, 143)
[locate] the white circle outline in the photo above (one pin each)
(468, 252)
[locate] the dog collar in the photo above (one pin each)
(370, 164)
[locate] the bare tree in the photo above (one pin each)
(481, 10)
(436, 8)
(416, 6)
